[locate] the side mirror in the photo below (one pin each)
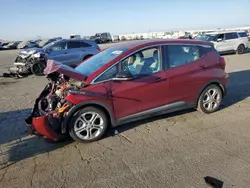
(123, 76)
(218, 40)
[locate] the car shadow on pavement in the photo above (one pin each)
(238, 90)
(16, 144)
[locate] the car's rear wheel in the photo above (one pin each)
(210, 99)
(240, 49)
(88, 125)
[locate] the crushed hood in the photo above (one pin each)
(54, 66)
(30, 51)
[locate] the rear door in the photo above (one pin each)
(188, 69)
(232, 41)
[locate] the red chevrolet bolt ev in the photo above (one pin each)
(127, 82)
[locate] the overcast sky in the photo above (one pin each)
(27, 19)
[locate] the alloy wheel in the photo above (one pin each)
(211, 99)
(89, 125)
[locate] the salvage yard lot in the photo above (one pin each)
(174, 150)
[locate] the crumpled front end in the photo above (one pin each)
(51, 107)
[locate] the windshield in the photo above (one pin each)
(97, 61)
(206, 37)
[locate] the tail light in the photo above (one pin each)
(222, 63)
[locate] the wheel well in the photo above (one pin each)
(242, 44)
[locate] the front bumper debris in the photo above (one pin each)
(40, 127)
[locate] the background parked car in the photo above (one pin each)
(66, 51)
(27, 44)
(227, 41)
(116, 38)
(102, 37)
(11, 45)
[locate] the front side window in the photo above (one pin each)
(110, 73)
(221, 36)
(145, 62)
(59, 46)
(179, 55)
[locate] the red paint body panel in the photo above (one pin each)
(140, 94)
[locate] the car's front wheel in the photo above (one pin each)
(88, 125)
(210, 99)
(37, 68)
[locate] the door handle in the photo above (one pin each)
(203, 66)
(160, 80)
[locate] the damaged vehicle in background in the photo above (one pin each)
(11, 45)
(70, 52)
(125, 83)
(27, 44)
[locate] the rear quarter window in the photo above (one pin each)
(85, 44)
(243, 34)
(179, 55)
(205, 50)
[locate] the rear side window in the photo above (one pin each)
(84, 44)
(74, 44)
(205, 49)
(179, 55)
(231, 36)
(243, 34)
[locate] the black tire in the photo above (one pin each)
(76, 119)
(37, 68)
(215, 103)
(240, 49)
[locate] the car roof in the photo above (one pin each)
(142, 43)
(221, 32)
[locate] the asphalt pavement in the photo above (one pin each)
(175, 150)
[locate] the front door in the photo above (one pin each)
(147, 90)
(59, 52)
(222, 44)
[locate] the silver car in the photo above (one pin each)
(66, 51)
(227, 41)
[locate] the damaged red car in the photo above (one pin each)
(127, 82)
